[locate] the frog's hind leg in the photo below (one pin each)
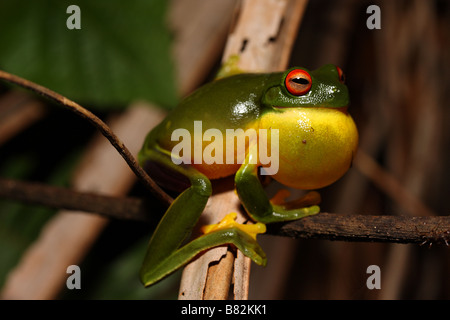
(259, 206)
(165, 254)
(181, 216)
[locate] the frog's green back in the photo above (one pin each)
(229, 103)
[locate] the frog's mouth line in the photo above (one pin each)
(342, 109)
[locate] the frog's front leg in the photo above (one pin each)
(165, 253)
(258, 205)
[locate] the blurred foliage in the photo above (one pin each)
(20, 224)
(117, 279)
(120, 53)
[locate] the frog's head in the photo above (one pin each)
(317, 138)
(299, 87)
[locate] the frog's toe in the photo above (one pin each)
(243, 236)
(229, 222)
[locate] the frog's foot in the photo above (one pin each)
(281, 210)
(312, 198)
(229, 222)
(243, 236)
(226, 232)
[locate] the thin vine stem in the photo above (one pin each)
(99, 124)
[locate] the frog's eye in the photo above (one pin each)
(341, 75)
(298, 82)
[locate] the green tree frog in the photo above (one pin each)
(316, 137)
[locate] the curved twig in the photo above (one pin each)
(99, 124)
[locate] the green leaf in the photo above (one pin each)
(120, 54)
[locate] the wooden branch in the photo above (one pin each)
(330, 226)
(124, 208)
(394, 229)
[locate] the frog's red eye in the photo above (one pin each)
(298, 82)
(341, 75)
